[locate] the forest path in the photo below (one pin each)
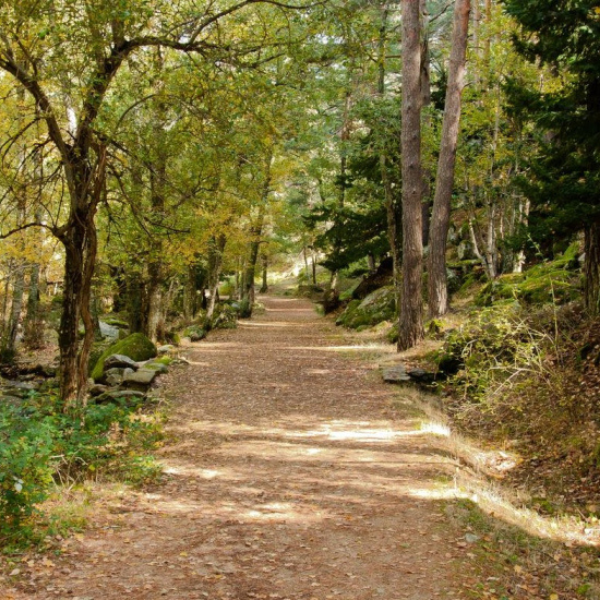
(292, 472)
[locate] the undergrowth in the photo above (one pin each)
(529, 379)
(42, 447)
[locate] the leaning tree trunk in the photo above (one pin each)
(411, 307)
(215, 263)
(592, 267)
(440, 220)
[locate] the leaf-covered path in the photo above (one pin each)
(291, 472)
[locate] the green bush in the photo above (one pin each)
(493, 350)
(41, 444)
(26, 446)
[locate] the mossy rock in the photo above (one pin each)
(136, 346)
(554, 282)
(377, 307)
(195, 333)
(114, 322)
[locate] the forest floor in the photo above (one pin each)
(291, 472)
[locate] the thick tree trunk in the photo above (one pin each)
(80, 244)
(411, 319)
(440, 220)
(592, 268)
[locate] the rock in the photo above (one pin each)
(374, 281)
(18, 389)
(119, 361)
(159, 368)
(377, 307)
(167, 349)
(396, 374)
(135, 346)
(471, 538)
(108, 331)
(113, 395)
(113, 377)
(421, 376)
(97, 390)
(139, 380)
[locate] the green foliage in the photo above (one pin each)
(40, 444)
(554, 282)
(564, 177)
(136, 346)
(491, 352)
(26, 446)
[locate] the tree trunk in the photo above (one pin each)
(189, 294)
(215, 262)
(80, 244)
(411, 319)
(592, 268)
(33, 331)
(18, 287)
(440, 220)
(247, 299)
(265, 271)
(392, 206)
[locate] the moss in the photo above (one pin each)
(549, 282)
(374, 309)
(136, 346)
(114, 322)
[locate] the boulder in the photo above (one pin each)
(135, 346)
(113, 395)
(97, 390)
(377, 307)
(18, 389)
(120, 361)
(396, 374)
(139, 380)
(382, 277)
(112, 377)
(167, 349)
(108, 331)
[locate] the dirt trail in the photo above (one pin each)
(289, 474)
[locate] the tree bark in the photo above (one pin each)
(33, 334)
(247, 299)
(215, 263)
(592, 268)
(440, 219)
(265, 271)
(411, 319)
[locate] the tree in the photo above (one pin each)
(77, 58)
(411, 319)
(440, 220)
(565, 34)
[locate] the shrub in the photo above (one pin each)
(26, 446)
(491, 351)
(40, 444)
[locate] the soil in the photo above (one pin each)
(291, 472)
